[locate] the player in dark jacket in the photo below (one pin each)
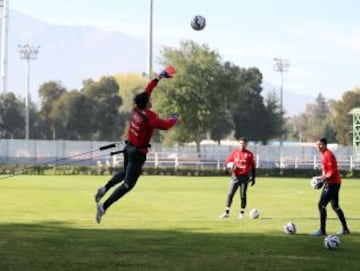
(142, 125)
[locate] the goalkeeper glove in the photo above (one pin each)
(252, 181)
(168, 72)
(175, 118)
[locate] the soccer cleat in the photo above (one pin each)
(100, 193)
(318, 233)
(241, 216)
(343, 232)
(99, 212)
(224, 215)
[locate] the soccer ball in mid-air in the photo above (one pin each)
(254, 213)
(331, 242)
(198, 22)
(290, 228)
(316, 182)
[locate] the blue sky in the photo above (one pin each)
(321, 39)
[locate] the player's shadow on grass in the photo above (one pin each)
(55, 246)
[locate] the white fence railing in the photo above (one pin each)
(36, 152)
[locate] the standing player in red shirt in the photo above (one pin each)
(143, 122)
(243, 164)
(330, 193)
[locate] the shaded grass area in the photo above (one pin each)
(168, 224)
(58, 247)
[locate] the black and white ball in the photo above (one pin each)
(198, 22)
(316, 182)
(331, 242)
(230, 166)
(254, 214)
(290, 228)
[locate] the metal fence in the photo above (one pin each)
(34, 152)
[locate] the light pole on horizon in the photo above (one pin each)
(150, 41)
(281, 65)
(27, 52)
(4, 18)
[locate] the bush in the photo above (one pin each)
(166, 171)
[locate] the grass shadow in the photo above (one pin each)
(57, 246)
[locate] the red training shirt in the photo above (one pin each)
(243, 160)
(329, 166)
(144, 121)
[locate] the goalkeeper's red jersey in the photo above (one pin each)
(243, 160)
(329, 166)
(143, 123)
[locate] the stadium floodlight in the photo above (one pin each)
(281, 65)
(150, 41)
(27, 52)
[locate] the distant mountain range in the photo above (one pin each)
(71, 54)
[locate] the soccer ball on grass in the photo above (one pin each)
(254, 214)
(331, 242)
(290, 228)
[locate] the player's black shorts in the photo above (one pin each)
(330, 193)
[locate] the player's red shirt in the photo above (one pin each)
(243, 160)
(329, 166)
(143, 123)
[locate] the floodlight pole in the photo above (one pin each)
(4, 6)
(150, 42)
(27, 52)
(281, 65)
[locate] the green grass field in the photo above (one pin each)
(169, 223)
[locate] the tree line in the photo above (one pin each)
(330, 118)
(214, 99)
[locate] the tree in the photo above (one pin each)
(36, 124)
(224, 124)
(131, 84)
(49, 93)
(196, 94)
(71, 115)
(106, 122)
(11, 116)
(273, 118)
(314, 123)
(321, 110)
(89, 114)
(221, 127)
(248, 110)
(340, 117)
